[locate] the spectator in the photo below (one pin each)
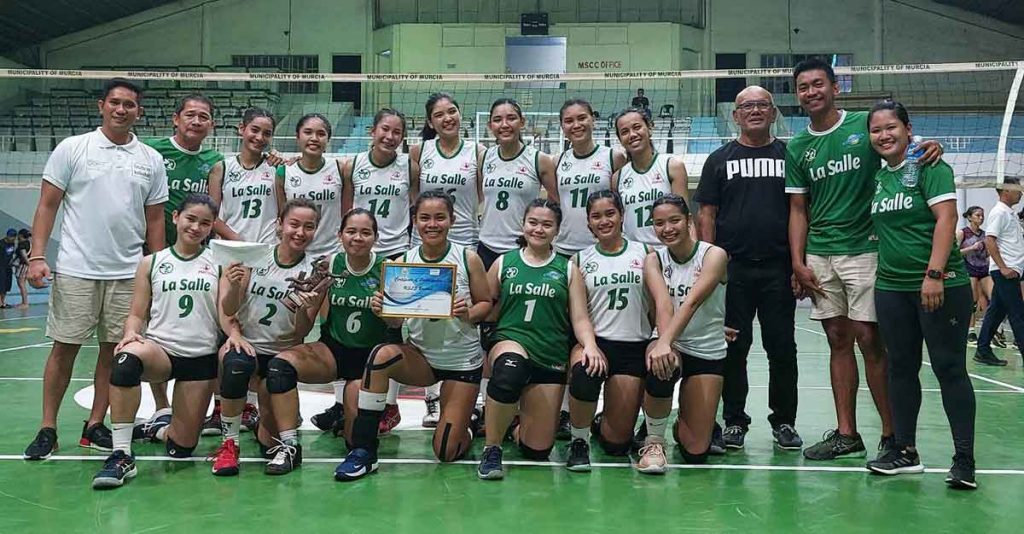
(8, 246)
(642, 103)
(21, 255)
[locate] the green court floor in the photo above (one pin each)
(758, 489)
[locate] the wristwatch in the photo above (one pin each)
(934, 274)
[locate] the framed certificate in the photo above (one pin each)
(418, 290)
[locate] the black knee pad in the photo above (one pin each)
(661, 389)
(690, 458)
(281, 376)
(234, 379)
(583, 386)
(127, 370)
(509, 375)
(178, 451)
(534, 454)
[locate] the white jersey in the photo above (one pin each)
(248, 204)
(704, 336)
(639, 190)
(509, 186)
(183, 308)
(455, 175)
(577, 179)
(322, 187)
(384, 191)
(266, 322)
(448, 344)
(616, 295)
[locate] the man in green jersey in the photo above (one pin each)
(830, 170)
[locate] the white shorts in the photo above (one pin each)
(849, 285)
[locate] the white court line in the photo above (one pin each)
(37, 379)
(22, 347)
(528, 463)
(1018, 389)
(22, 318)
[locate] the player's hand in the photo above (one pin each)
(808, 282)
(276, 159)
(594, 361)
(38, 274)
(932, 152)
(731, 334)
(662, 360)
(1008, 273)
(460, 309)
(931, 294)
(235, 273)
(979, 246)
(377, 303)
(238, 344)
(128, 339)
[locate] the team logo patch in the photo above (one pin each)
(170, 165)
(511, 272)
(263, 271)
(810, 154)
(340, 282)
(590, 267)
(205, 168)
(566, 165)
(234, 176)
(427, 164)
(165, 268)
(668, 271)
(853, 140)
(363, 174)
(626, 183)
(295, 181)
(489, 168)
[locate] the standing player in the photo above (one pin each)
(830, 171)
(248, 204)
(646, 177)
(744, 210)
(171, 333)
(971, 239)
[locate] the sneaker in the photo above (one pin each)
(733, 436)
(225, 459)
(988, 358)
(433, 412)
(786, 438)
(717, 447)
(999, 340)
(896, 462)
(652, 458)
(43, 446)
(886, 444)
(834, 445)
(212, 424)
(327, 419)
(147, 431)
(490, 464)
(118, 467)
(972, 340)
(356, 465)
(96, 437)
(563, 433)
(639, 437)
(251, 418)
(389, 420)
(579, 456)
(286, 458)
(477, 422)
(265, 451)
(961, 474)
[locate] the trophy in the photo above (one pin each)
(317, 280)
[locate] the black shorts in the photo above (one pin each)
(6, 279)
(487, 256)
(194, 369)
(544, 375)
(262, 361)
(350, 361)
(625, 357)
(471, 376)
(693, 366)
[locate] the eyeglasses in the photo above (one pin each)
(762, 105)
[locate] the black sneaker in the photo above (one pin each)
(786, 438)
(988, 358)
(972, 340)
(835, 445)
(896, 462)
(287, 457)
(733, 436)
(327, 419)
(265, 450)
(579, 456)
(96, 437)
(639, 437)
(563, 433)
(886, 444)
(999, 340)
(717, 447)
(43, 446)
(961, 474)
(147, 431)
(490, 464)
(116, 469)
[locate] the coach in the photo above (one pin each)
(744, 209)
(112, 188)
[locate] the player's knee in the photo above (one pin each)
(691, 458)
(234, 380)
(583, 386)
(281, 376)
(127, 370)
(381, 358)
(449, 448)
(661, 389)
(614, 449)
(178, 451)
(509, 375)
(538, 455)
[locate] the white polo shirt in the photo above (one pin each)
(106, 189)
(1001, 223)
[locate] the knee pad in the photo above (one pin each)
(127, 370)
(281, 376)
(583, 386)
(661, 389)
(690, 458)
(237, 369)
(509, 375)
(178, 451)
(534, 454)
(614, 449)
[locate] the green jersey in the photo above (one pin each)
(350, 321)
(187, 172)
(905, 224)
(535, 307)
(836, 170)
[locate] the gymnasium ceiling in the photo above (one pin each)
(1011, 11)
(27, 23)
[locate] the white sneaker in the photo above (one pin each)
(652, 458)
(433, 414)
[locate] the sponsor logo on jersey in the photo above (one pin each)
(511, 272)
(466, 165)
(330, 179)
(590, 267)
(427, 164)
(597, 165)
(169, 164)
(165, 268)
(554, 275)
(658, 178)
(810, 154)
(266, 176)
(396, 176)
(206, 269)
(141, 169)
(205, 168)
(371, 283)
(853, 140)
(636, 263)
(523, 169)
(566, 166)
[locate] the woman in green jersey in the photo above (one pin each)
(540, 299)
(922, 294)
(171, 333)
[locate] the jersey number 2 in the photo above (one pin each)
(271, 310)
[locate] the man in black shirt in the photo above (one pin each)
(642, 103)
(744, 209)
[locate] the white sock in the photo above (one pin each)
(565, 401)
(580, 433)
(372, 401)
(161, 433)
(252, 398)
(483, 389)
(392, 392)
(656, 426)
(339, 391)
(291, 437)
(433, 391)
(122, 435)
(231, 426)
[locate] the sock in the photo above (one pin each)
(230, 426)
(433, 391)
(374, 402)
(161, 433)
(565, 400)
(656, 426)
(291, 437)
(580, 433)
(252, 398)
(122, 435)
(483, 389)
(339, 392)
(392, 392)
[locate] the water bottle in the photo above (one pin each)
(911, 171)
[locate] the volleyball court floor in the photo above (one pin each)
(758, 489)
